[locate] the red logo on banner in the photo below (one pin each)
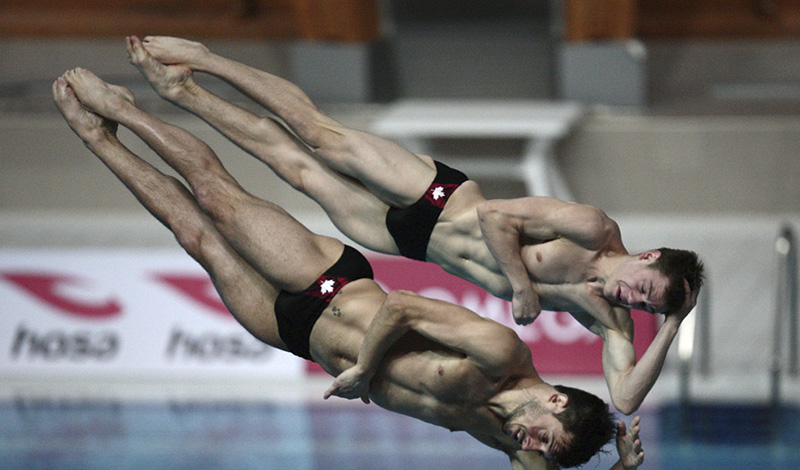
(47, 288)
(198, 288)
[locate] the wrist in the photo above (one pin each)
(523, 289)
(363, 370)
(670, 325)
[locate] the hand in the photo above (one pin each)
(629, 446)
(525, 307)
(350, 384)
(688, 304)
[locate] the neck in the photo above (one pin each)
(523, 391)
(605, 265)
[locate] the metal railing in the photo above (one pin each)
(786, 318)
(694, 337)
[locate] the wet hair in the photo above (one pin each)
(591, 425)
(678, 265)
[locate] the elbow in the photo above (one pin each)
(625, 406)
(486, 207)
(627, 411)
(397, 303)
(488, 211)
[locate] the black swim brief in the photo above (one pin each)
(411, 226)
(297, 313)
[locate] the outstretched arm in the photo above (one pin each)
(496, 349)
(509, 224)
(630, 381)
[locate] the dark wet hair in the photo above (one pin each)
(591, 425)
(678, 265)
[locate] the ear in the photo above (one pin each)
(650, 255)
(559, 401)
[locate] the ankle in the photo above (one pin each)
(98, 138)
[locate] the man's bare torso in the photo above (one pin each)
(560, 269)
(417, 377)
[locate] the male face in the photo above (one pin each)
(636, 284)
(535, 428)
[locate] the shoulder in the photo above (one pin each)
(588, 225)
(590, 216)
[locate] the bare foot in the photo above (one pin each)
(98, 96)
(176, 51)
(168, 80)
(89, 126)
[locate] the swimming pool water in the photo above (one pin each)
(45, 434)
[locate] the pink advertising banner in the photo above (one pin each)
(151, 313)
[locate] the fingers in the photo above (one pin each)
(621, 430)
(523, 318)
(691, 297)
(523, 321)
(635, 424)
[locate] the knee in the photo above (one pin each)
(325, 135)
(201, 241)
(190, 238)
(215, 200)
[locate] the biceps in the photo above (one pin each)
(486, 342)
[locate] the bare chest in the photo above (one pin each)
(435, 386)
(562, 272)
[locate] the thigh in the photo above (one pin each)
(354, 210)
(397, 176)
(247, 295)
(281, 249)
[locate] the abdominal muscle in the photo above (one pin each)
(417, 377)
(457, 245)
(422, 379)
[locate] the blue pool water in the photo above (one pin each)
(42, 434)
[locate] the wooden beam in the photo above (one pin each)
(724, 19)
(588, 20)
(343, 20)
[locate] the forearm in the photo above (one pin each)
(388, 325)
(502, 237)
(630, 391)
